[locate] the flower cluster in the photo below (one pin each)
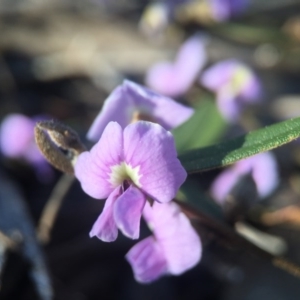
(135, 168)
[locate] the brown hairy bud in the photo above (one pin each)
(59, 144)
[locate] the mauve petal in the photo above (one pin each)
(105, 227)
(128, 211)
(252, 90)
(223, 184)
(175, 234)
(175, 79)
(117, 107)
(152, 148)
(16, 135)
(93, 168)
(228, 105)
(147, 260)
(163, 78)
(220, 10)
(219, 74)
(165, 111)
(263, 168)
(265, 173)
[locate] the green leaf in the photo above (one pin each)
(231, 151)
(191, 134)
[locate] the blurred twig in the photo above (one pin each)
(52, 207)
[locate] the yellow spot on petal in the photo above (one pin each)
(240, 78)
(120, 173)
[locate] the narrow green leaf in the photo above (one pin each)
(191, 134)
(229, 152)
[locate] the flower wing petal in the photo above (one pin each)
(105, 227)
(155, 105)
(93, 168)
(151, 148)
(175, 79)
(128, 211)
(117, 107)
(147, 260)
(174, 232)
(224, 183)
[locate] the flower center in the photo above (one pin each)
(240, 78)
(124, 172)
(141, 116)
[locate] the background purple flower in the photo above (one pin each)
(235, 86)
(130, 99)
(174, 248)
(263, 169)
(128, 166)
(223, 10)
(174, 79)
(17, 142)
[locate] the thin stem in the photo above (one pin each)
(52, 207)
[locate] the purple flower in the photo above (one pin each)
(223, 10)
(130, 99)
(262, 167)
(174, 79)
(174, 248)
(235, 85)
(129, 166)
(17, 142)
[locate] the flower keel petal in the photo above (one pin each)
(128, 211)
(105, 227)
(147, 260)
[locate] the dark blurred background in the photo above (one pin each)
(60, 60)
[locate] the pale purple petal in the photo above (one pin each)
(173, 231)
(228, 105)
(147, 260)
(105, 227)
(222, 10)
(16, 135)
(262, 167)
(165, 111)
(117, 107)
(174, 79)
(219, 74)
(128, 211)
(223, 184)
(265, 173)
(151, 148)
(252, 90)
(93, 169)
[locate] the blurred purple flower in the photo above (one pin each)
(174, 79)
(130, 99)
(262, 167)
(128, 166)
(223, 10)
(174, 248)
(235, 85)
(17, 142)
